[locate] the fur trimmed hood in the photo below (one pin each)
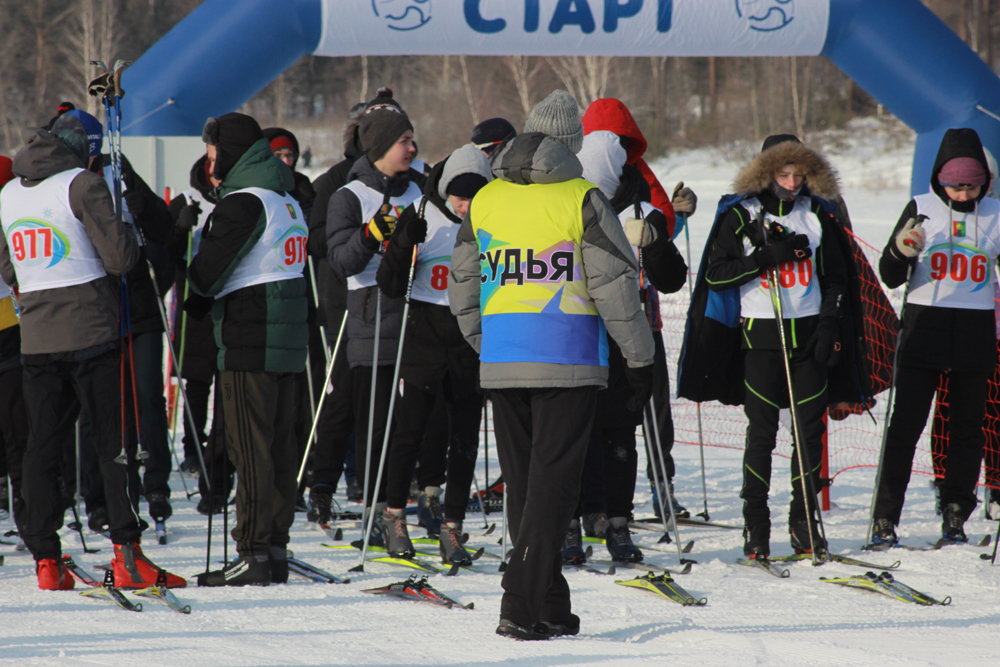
(821, 177)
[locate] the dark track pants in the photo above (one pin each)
(664, 419)
(915, 389)
(766, 392)
(50, 392)
(336, 423)
(260, 438)
(14, 435)
(198, 392)
(542, 437)
(362, 381)
(609, 475)
(411, 439)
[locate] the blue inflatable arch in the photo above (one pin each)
(225, 52)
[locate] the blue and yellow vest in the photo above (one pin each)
(534, 300)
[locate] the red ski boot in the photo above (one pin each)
(134, 570)
(52, 576)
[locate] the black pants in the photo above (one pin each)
(664, 420)
(362, 386)
(542, 437)
(766, 392)
(198, 392)
(336, 423)
(609, 474)
(260, 438)
(451, 457)
(915, 389)
(50, 390)
(14, 435)
(217, 463)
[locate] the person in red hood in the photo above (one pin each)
(612, 115)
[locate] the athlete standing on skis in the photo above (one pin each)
(778, 220)
(250, 262)
(437, 361)
(61, 239)
(945, 246)
(541, 266)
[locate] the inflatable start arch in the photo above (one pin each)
(225, 52)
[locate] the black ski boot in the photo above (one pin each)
(452, 550)
(279, 565)
(320, 503)
(757, 541)
(354, 494)
(594, 525)
(512, 630)
(244, 571)
(953, 525)
(573, 553)
(217, 506)
(97, 519)
(619, 541)
(883, 534)
(159, 506)
(799, 532)
(570, 626)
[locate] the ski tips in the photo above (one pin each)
(358, 568)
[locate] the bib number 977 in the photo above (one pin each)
(959, 269)
(295, 250)
(31, 244)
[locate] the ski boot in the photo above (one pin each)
(429, 513)
(619, 541)
(883, 534)
(953, 525)
(512, 630)
(573, 553)
(159, 506)
(799, 532)
(452, 551)
(992, 504)
(97, 519)
(217, 506)
(394, 531)
(133, 570)
(757, 541)
(570, 626)
(278, 557)
(354, 494)
(595, 525)
(244, 571)
(52, 576)
(320, 502)
(680, 511)
(191, 466)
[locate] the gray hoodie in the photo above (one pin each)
(608, 264)
(75, 318)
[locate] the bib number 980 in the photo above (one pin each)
(791, 274)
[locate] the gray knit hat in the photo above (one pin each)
(558, 116)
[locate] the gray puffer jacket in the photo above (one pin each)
(607, 262)
(78, 317)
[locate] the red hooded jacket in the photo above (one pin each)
(611, 115)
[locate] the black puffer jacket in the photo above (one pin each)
(958, 339)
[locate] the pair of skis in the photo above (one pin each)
(885, 584)
(931, 546)
(416, 588)
(664, 585)
(108, 591)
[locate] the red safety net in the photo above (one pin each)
(854, 433)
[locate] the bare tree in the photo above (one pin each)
(585, 77)
(523, 74)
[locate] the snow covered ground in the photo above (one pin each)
(750, 618)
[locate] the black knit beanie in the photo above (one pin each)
(232, 135)
(382, 125)
(776, 139)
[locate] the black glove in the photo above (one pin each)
(197, 306)
(824, 345)
(412, 229)
(641, 381)
(189, 217)
(795, 248)
(135, 201)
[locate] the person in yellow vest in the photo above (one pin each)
(540, 273)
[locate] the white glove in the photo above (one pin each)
(639, 232)
(910, 239)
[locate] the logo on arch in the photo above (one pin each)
(766, 15)
(403, 15)
(37, 244)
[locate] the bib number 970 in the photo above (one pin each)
(31, 244)
(959, 269)
(791, 274)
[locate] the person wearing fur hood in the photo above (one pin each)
(780, 218)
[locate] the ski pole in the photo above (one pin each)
(697, 406)
(322, 329)
(180, 376)
(486, 445)
(805, 470)
(889, 398)
(322, 397)
(482, 505)
(392, 403)
(503, 552)
(667, 491)
(76, 495)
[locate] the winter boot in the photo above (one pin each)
(97, 519)
(952, 525)
(884, 534)
(512, 630)
(619, 541)
(354, 492)
(680, 511)
(451, 547)
(570, 626)
(992, 504)
(244, 571)
(320, 504)
(191, 466)
(4, 498)
(757, 541)
(429, 513)
(799, 532)
(159, 506)
(573, 553)
(377, 538)
(52, 576)
(133, 570)
(217, 506)
(279, 565)
(594, 525)
(394, 531)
